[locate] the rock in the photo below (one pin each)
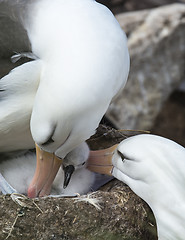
(118, 6)
(156, 39)
(172, 109)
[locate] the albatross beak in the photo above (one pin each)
(46, 170)
(68, 171)
(101, 161)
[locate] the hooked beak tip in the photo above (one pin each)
(68, 171)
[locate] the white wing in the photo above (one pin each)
(18, 79)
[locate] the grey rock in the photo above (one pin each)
(156, 40)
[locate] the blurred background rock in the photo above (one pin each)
(118, 6)
(154, 97)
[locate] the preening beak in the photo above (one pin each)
(47, 167)
(100, 161)
(68, 171)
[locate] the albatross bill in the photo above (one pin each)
(46, 169)
(80, 62)
(154, 168)
(101, 161)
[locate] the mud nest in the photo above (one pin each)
(113, 212)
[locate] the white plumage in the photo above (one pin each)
(154, 168)
(19, 172)
(80, 61)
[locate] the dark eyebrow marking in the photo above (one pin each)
(121, 155)
(50, 140)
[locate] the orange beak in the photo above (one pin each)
(47, 167)
(101, 161)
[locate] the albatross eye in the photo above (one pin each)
(121, 155)
(83, 163)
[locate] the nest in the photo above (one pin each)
(112, 212)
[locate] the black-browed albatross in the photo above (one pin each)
(154, 168)
(80, 61)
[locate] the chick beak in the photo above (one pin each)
(47, 167)
(68, 171)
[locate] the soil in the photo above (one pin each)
(122, 214)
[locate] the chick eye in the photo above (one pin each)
(121, 155)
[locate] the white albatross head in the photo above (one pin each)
(83, 63)
(154, 168)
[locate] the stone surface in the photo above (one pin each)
(170, 122)
(156, 39)
(118, 6)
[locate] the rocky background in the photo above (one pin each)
(119, 6)
(154, 97)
